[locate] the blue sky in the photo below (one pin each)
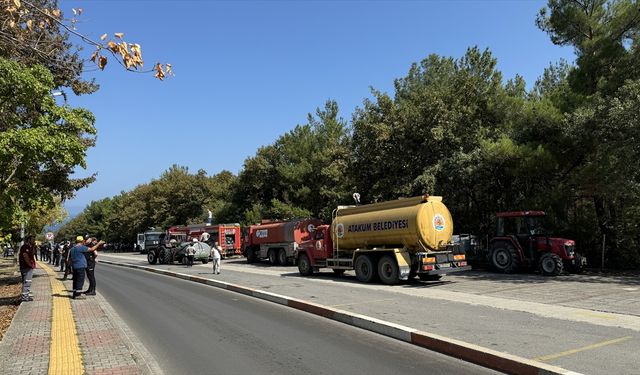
(249, 71)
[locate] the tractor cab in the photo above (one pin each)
(522, 241)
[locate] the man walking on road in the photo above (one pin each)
(27, 265)
(79, 264)
(215, 256)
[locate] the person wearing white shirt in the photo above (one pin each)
(215, 255)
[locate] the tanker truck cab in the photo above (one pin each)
(390, 241)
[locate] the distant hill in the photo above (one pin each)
(73, 211)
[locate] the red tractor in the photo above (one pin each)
(522, 242)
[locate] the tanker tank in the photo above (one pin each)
(417, 224)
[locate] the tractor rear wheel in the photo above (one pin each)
(365, 269)
(167, 257)
(282, 257)
(151, 257)
(550, 264)
(504, 258)
(304, 265)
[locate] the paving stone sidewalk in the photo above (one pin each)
(107, 345)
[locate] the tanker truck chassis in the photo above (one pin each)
(390, 241)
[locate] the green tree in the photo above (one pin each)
(304, 173)
(41, 142)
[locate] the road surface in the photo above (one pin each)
(192, 329)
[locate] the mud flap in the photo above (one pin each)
(404, 264)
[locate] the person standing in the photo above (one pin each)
(68, 267)
(215, 256)
(63, 256)
(56, 256)
(91, 264)
(191, 253)
(27, 265)
(79, 264)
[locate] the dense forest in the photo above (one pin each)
(569, 145)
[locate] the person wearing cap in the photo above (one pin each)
(79, 264)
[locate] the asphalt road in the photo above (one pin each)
(194, 329)
(479, 308)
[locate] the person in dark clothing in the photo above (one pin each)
(68, 269)
(27, 259)
(56, 256)
(63, 256)
(91, 265)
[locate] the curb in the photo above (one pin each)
(478, 355)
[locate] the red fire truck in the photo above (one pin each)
(277, 241)
(227, 236)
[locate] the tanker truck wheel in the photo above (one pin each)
(304, 265)
(251, 255)
(273, 257)
(365, 270)
(151, 257)
(282, 257)
(388, 270)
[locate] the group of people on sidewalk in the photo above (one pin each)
(79, 260)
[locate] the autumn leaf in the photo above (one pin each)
(29, 25)
(159, 73)
(119, 35)
(169, 71)
(103, 37)
(102, 62)
(12, 24)
(16, 3)
(113, 47)
(75, 12)
(94, 55)
(56, 13)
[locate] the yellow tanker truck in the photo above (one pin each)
(392, 241)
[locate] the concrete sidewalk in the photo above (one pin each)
(57, 335)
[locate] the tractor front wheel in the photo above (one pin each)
(550, 265)
(151, 257)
